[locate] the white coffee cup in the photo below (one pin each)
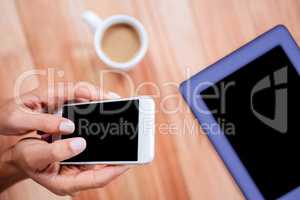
(99, 26)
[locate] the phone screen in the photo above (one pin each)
(258, 112)
(109, 128)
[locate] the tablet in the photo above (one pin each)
(248, 104)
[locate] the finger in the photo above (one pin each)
(108, 95)
(67, 148)
(86, 91)
(48, 153)
(57, 95)
(46, 123)
(31, 101)
(93, 178)
(91, 167)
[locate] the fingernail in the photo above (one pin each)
(113, 95)
(66, 126)
(78, 145)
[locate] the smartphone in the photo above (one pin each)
(119, 131)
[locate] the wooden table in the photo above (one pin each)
(185, 37)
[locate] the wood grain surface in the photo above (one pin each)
(185, 37)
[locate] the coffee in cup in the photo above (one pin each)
(120, 42)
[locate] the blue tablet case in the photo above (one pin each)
(190, 90)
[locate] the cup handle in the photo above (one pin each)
(91, 19)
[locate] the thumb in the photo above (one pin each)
(58, 151)
(47, 123)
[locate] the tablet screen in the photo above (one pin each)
(257, 107)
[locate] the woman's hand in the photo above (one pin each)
(39, 160)
(32, 111)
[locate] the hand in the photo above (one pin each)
(39, 160)
(35, 158)
(27, 112)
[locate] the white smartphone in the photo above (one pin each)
(119, 131)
